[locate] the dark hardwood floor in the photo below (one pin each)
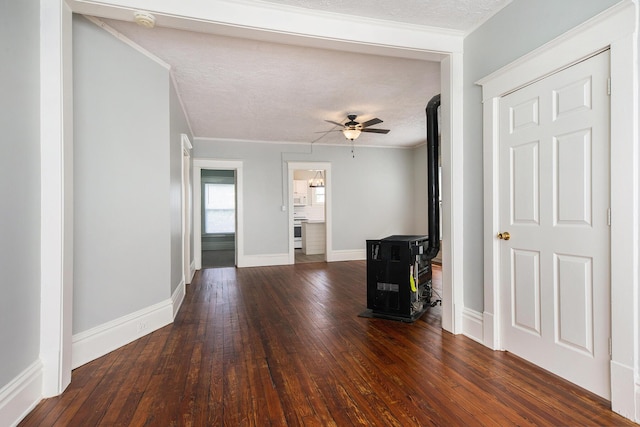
(301, 258)
(284, 346)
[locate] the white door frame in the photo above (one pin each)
(187, 191)
(230, 18)
(56, 195)
(612, 29)
(57, 264)
(291, 167)
(198, 165)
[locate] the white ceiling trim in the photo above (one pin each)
(127, 41)
(172, 76)
(286, 24)
(149, 55)
(346, 143)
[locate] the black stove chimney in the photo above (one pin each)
(433, 175)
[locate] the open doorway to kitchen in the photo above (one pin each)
(309, 229)
(218, 218)
(309, 211)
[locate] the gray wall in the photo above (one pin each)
(516, 30)
(123, 179)
(19, 187)
(373, 193)
(178, 126)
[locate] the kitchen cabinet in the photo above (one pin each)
(300, 192)
(313, 237)
(300, 186)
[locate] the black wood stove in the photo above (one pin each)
(399, 280)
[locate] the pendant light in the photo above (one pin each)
(317, 181)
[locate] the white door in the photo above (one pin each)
(554, 203)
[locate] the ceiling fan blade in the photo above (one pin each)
(371, 122)
(375, 130)
(330, 130)
(334, 123)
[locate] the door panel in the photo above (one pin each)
(554, 199)
(526, 290)
(525, 183)
(572, 171)
(572, 98)
(574, 288)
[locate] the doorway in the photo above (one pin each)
(614, 31)
(309, 229)
(207, 171)
(218, 218)
(554, 199)
(309, 211)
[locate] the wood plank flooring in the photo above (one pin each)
(300, 257)
(283, 346)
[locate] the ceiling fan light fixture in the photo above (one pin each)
(351, 133)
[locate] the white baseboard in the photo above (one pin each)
(624, 393)
(472, 324)
(263, 260)
(347, 255)
(637, 404)
(192, 270)
(98, 341)
(21, 395)
(178, 297)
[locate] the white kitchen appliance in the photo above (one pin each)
(299, 216)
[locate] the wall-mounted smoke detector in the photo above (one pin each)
(144, 19)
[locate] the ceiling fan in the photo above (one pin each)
(352, 129)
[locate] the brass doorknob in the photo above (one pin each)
(504, 236)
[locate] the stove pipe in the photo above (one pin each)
(433, 176)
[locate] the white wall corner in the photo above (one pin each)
(172, 77)
(100, 340)
(488, 331)
(56, 200)
(263, 260)
(452, 151)
(21, 395)
(347, 255)
(625, 394)
(472, 324)
(178, 297)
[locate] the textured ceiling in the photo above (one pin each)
(451, 14)
(243, 89)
